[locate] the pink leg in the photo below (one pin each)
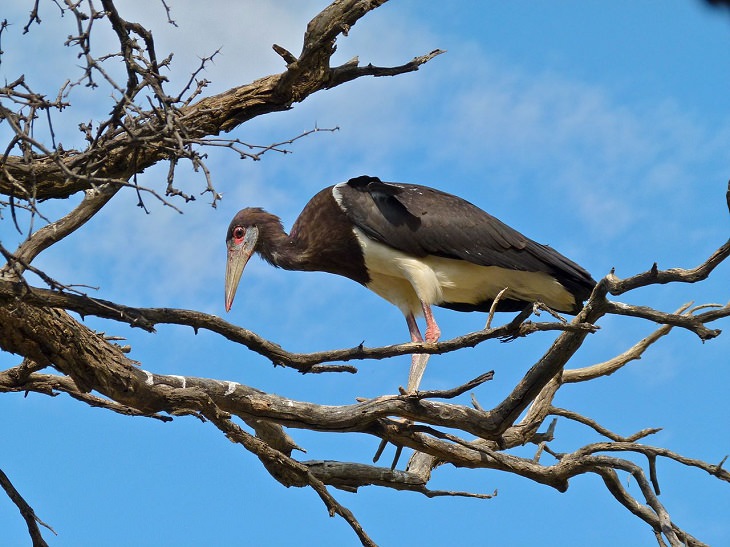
(418, 361)
(418, 364)
(413, 328)
(433, 332)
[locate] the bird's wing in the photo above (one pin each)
(423, 221)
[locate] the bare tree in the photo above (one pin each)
(150, 124)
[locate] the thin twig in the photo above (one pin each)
(31, 519)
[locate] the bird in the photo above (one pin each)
(416, 247)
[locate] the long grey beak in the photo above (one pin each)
(239, 251)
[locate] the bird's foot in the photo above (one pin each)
(537, 306)
(433, 333)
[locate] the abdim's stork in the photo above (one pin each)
(414, 246)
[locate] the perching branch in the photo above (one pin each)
(150, 318)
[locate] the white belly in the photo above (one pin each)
(407, 281)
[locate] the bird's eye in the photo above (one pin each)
(238, 233)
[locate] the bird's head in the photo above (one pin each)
(241, 239)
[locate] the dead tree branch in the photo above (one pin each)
(168, 131)
(31, 519)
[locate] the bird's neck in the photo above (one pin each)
(281, 249)
(321, 240)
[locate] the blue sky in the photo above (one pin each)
(601, 129)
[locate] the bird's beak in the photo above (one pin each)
(239, 251)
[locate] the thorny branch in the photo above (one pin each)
(148, 124)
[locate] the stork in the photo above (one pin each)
(416, 247)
